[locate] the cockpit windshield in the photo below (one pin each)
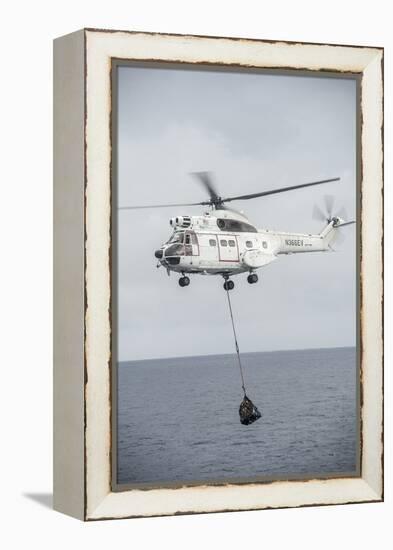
(177, 237)
(174, 249)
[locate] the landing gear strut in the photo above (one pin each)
(184, 281)
(252, 278)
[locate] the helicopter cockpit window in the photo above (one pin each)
(176, 249)
(177, 237)
(235, 225)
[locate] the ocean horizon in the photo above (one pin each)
(178, 422)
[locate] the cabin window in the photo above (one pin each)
(264, 244)
(249, 244)
(188, 239)
(212, 242)
(223, 242)
(232, 243)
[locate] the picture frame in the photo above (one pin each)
(83, 291)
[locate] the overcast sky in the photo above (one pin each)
(254, 132)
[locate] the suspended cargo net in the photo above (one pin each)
(248, 412)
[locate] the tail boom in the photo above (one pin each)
(295, 243)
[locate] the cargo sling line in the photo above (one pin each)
(248, 412)
(236, 344)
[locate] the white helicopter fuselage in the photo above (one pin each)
(224, 242)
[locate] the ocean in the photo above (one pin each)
(178, 418)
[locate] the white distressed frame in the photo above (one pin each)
(100, 47)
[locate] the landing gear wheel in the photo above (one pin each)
(252, 278)
(229, 285)
(184, 281)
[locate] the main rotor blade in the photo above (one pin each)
(163, 205)
(274, 191)
(206, 179)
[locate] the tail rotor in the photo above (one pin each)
(326, 215)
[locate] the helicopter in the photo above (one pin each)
(224, 242)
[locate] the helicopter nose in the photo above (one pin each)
(158, 254)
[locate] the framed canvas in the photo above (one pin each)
(173, 395)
